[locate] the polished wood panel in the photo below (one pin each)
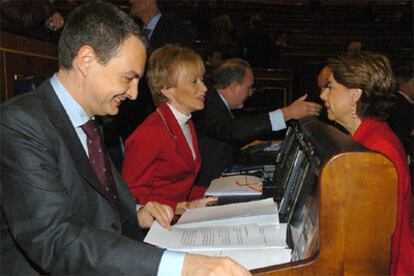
(358, 211)
(23, 57)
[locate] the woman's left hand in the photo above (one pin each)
(203, 202)
(198, 203)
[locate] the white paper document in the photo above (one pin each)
(249, 232)
(242, 236)
(235, 185)
(234, 212)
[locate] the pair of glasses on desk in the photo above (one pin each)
(258, 187)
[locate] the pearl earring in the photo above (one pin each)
(353, 112)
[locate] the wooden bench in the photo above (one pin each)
(23, 56)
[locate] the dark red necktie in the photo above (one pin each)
(100, 161)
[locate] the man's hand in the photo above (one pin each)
(300, 108)
(198, 203)
(155, 211)
(204, 265)
(55, 22)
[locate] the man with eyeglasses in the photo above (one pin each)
(220, 134)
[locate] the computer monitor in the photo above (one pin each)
(296, 169)
(283, 165)
(294, 183)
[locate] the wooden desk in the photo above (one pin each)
(357, 216)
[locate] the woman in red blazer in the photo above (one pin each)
(161, 159)
(359, 96)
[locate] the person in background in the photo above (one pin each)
(402, 116)
(280, 44)
(64, 208)
(161, 156)
(323, 77)
(160, 29)
(257, 45)
(30, 14)
(359, 96)
(221, 134)
(220, 25)
(214, 59)
(354, 46)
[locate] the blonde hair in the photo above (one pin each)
(164, 66)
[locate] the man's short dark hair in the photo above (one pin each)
(102, 26)
(232, 70)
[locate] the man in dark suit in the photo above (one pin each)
(220, 134)
(159, 29)
(401, 116)
(58, 216)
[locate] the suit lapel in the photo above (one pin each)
(155, 37)
(59, 118)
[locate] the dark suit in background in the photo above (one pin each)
(401, 121)
(73, 228)
(220, 136)
(133, 113)
(170, 30)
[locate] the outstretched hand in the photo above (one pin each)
(203, 202)
(155, 211)
(301, 108)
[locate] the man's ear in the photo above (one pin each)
(356, 94)
(84, 59)
(234, 87)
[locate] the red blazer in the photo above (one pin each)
(378, 136)
(158, 163)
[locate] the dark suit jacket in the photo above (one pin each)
(170, 30)
(220, 136)
(401, 122)
(133, 113)
(55, 215)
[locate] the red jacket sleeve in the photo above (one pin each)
(197, 192)
(141, 151)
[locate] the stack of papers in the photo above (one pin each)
(235, 185)
(249, 233)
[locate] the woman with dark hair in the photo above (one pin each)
(161, 156)
(359, 97)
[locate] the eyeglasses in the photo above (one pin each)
(252, 90)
